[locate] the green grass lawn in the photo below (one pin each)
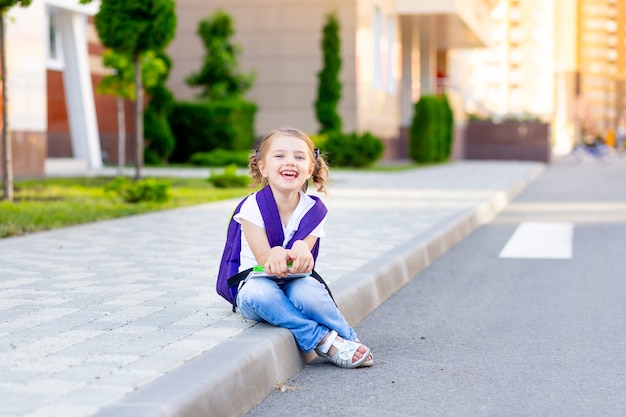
(58, 202)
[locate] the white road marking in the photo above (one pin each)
(533, 240)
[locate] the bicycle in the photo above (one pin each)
(600, 152)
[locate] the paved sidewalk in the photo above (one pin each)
(120, 318)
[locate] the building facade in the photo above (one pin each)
(563, 61)
(54, 65)
(602, 59)
(392, 52)
(34, 56)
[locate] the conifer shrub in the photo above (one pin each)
(447, 127)
(329, 86)
(432, 130)
(219, 78)
(424, 133)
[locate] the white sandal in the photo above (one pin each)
(345, 351)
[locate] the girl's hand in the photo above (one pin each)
(276, 262)
(300, 257)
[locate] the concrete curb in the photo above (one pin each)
(233, 377)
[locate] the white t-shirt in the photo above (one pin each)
(251, 212)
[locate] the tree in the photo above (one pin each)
(121, 83)
(7, 153)
(219, 77)
(132, 28)
(329, 86)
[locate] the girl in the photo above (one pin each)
(284, 162)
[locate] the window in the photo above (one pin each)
(391, 44)
(54, 49)
(377, 41)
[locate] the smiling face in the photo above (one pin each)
(286, 163)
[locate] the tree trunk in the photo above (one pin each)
(7, 154)
(121, 136)
(138, 118)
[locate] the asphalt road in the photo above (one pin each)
(476, 334)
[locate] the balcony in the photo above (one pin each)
(459, 23)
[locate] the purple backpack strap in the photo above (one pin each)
(308, 223)
(271, 216)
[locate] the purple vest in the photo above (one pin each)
(229, 277)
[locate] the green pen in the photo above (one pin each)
(261, 268)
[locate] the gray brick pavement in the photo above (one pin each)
(92, 313)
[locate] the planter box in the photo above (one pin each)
(526, 141)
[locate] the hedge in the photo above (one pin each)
(207, 125)
(352, 149)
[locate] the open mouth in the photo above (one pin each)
(289, 174)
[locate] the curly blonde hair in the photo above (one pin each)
(320, 168)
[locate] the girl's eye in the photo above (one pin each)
(300, 157)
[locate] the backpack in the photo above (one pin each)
(229, 277)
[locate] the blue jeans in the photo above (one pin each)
(301, 305)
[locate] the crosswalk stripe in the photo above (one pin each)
(539, 240)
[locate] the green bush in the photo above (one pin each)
(160, 141)
(229, 178)
(148, 189)
(447, 128)
(159, 138)
(432, 130)
(207, 125)
(352, 149)
(220, 158)
(424, 133)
